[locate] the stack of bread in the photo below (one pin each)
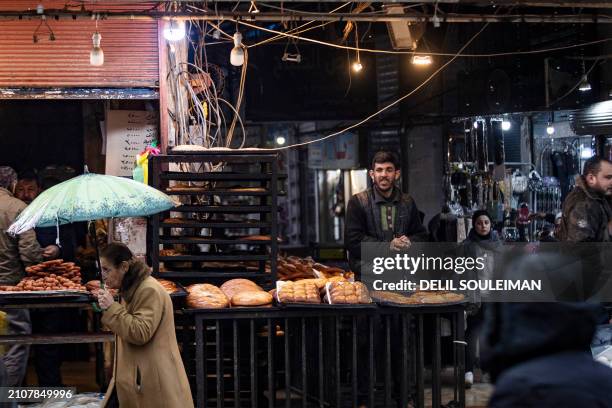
(234, 293)
(205, 296)
(294, 268)
(49, 275)
(244, 292)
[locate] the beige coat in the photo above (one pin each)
(15, 252)
(148, 370)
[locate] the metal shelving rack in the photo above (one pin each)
(255, 170)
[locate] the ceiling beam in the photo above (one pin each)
(277, 16)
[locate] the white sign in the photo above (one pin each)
(127, 134)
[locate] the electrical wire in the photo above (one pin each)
(390, 105)
(499, 54)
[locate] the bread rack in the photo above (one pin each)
(216, 216)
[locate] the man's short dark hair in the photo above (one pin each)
(386, 157)
(29, 175)
(593, 165)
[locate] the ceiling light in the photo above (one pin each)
(174, 30)
(506, 125)
(584, 84)
(550, 129)
(585, 152)
(237, 54)
(96, 55)
(357, 67)
(280, 140)
(422, 60)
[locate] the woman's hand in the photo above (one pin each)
(105, 299)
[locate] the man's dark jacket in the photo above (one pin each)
(586, 214)
(363, 223)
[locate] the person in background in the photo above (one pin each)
(587, 210)
(382, 213)
(16, 253)
(47, 357)
(148, 370)
(481, 240)
(27, 189)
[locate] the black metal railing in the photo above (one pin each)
(322, 357)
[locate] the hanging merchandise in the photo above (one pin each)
(141, 171)
(520, 183)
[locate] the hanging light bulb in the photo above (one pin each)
(584, 84)
(550, 129)
(96, 55)
(506, 125)
(237, 54)
(174, 30)
(475, 124)
(280, 140)
(422, 60)
(357, 67)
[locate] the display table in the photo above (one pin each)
(82, 302)
(321, 355)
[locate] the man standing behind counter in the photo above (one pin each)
(382, 213)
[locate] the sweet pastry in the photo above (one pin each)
(297, 292)
(206, 296)
(347, 293)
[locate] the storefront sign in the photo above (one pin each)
(127, 134)
(340, 152)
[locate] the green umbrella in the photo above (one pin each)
(91, 197)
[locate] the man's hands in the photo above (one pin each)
(397, 244)
(51, 252)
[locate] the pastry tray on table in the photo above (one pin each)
(234, 309)
(324, 305)
(41, 296)
(385, 303)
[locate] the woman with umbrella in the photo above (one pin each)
(148, 370)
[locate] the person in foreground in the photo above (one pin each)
(148, 371)
(539, 357)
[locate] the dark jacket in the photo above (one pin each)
(539, 356)
(475, 246)
(586, 214)
(363, 223)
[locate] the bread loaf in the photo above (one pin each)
(252, 298)
(205, 296)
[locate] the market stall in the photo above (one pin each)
(259, 328)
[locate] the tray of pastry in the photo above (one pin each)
(309, 293)
(43, 295)
(418, 299)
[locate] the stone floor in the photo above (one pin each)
(81, 374)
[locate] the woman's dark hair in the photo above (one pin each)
(115, 253)
(479, 213)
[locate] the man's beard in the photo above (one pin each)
(378, 186)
